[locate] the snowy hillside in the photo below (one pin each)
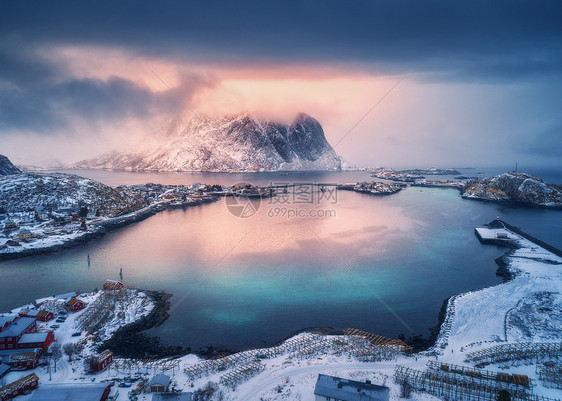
(233, 143)
(515, 187)
(6, 166)
(52, 192)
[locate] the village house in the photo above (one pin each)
(22, 359)
(10, 225)
(72, 391)
(159, 383)
(19, 387)
(22, 333)
(37, 340)
(101, 361)
(41, 315)
(6, 319)
(113, 285)
(74, 304)
(24, 235)
(10, 336)
(330, 388)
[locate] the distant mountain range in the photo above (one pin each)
(6, 166)
(233, 143)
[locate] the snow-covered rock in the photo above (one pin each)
(53, 192)
(521, 188)
(6, 166)
(232, 143)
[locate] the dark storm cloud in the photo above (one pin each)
(499, 41)
(40, 96)
(511, 38)
(47, 107)
(545, 143)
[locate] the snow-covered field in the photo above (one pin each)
(525, 309)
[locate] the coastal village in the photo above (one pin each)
(498, 343)
(59, 225)
(318, 188)
(48, 228)
(501, 341)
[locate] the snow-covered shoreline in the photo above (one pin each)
(525, 309)
(97, 229)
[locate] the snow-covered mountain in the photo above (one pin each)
(6, 166)
(515, 187)
(232, 143)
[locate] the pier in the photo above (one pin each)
(501, 233)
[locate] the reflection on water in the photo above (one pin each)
(248, 282)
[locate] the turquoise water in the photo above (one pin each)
(242, 283)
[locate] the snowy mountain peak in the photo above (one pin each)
(229, 143)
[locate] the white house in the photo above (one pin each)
(330, 388)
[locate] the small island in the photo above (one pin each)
(515, 188)
(372, 188)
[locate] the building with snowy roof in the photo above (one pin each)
(159, 383)
(72, 391)
(37, 340)
(10, 336)
(338, 389)
(66, 296)
(21, 358)
(6, 319)
(41, 315)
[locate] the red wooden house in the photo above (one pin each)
(11, 335)
(37, 340)
(41, 315)
(74, 304)
(101, 361)
(6, 319)
(112, 285)
(19, 387)
(23, 359)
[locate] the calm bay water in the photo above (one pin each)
(242, 283)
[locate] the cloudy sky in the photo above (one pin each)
(474, 83)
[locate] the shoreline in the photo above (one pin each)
(129, 341)
(505, 270)
(105, 227)
(512, 203)
(469, 324)
(418, 342)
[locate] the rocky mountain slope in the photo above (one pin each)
(6, 166)
(233, 143)
(53, 192)
(520, 188)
